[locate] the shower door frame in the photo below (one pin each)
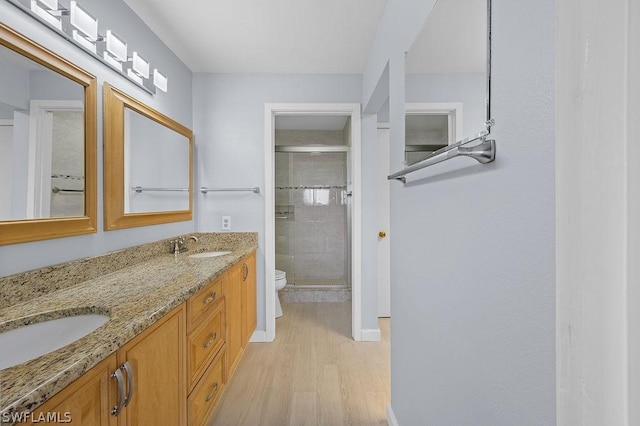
(320, 109)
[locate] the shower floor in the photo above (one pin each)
(298, 294)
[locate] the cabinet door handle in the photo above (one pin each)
(118, 376)
(210, 298)
(210, 341)
(130, 380)
(213, 392)
(245, 271)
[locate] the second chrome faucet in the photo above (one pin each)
(179, 245)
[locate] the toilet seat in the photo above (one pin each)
(280, 274)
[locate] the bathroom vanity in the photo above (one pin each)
(177, 328)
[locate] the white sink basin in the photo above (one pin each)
(209, 254)
(31, 341)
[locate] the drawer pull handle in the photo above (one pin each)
(213, 393)
(245, 271)
(130, 380)
(208, 343)
(210, 298)
(121, 396)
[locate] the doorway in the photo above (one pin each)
(352, 187)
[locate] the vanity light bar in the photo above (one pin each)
(159, 80)
(81, 28)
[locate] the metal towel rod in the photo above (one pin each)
(484, 152)
(140, 189)
(57, 190)
(255, 189)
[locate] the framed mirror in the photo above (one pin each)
(148, 167)
(448, 75)
(47, 143)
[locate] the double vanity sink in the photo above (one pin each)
(25, 343)
(207, 254)
(50, 338)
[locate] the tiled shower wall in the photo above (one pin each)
(311, 222)
(67, 164)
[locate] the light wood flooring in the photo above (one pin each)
(312, 374)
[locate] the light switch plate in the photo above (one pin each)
(226, 223)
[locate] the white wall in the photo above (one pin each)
(229, 123)
(176, 103)
(598, 206)
(469, 89)
(472, 266)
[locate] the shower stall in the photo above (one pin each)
(312, 212)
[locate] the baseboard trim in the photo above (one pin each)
(258, 336)
(391, 417)
(370, 335)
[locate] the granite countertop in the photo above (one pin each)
(134, 297)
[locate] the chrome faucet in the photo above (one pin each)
(180, 245)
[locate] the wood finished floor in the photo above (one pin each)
(312, 374)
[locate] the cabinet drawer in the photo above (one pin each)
(207, 392)
(203, 302)
(205, 340)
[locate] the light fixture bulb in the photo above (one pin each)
(51, 4)
(116, 47)
(134, 76)
(140, 65)
(44, 14)
(86, 24)
(159, 80)
(77, 36)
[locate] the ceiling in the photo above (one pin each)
(275, 36)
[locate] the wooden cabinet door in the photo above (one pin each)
(249, 315)
(157, 358)
(233, 301)
(85, 402)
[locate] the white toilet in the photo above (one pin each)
(281, 281)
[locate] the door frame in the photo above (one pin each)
(41, 151)
(453, 111)
(384, 224)
(272, 110)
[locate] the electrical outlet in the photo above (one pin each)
(226, 223)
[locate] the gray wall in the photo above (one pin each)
(466, 88)
(229, 118)
(472, 264)
(176, 103)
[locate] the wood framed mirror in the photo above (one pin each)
(148, 166)
(48, 118)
